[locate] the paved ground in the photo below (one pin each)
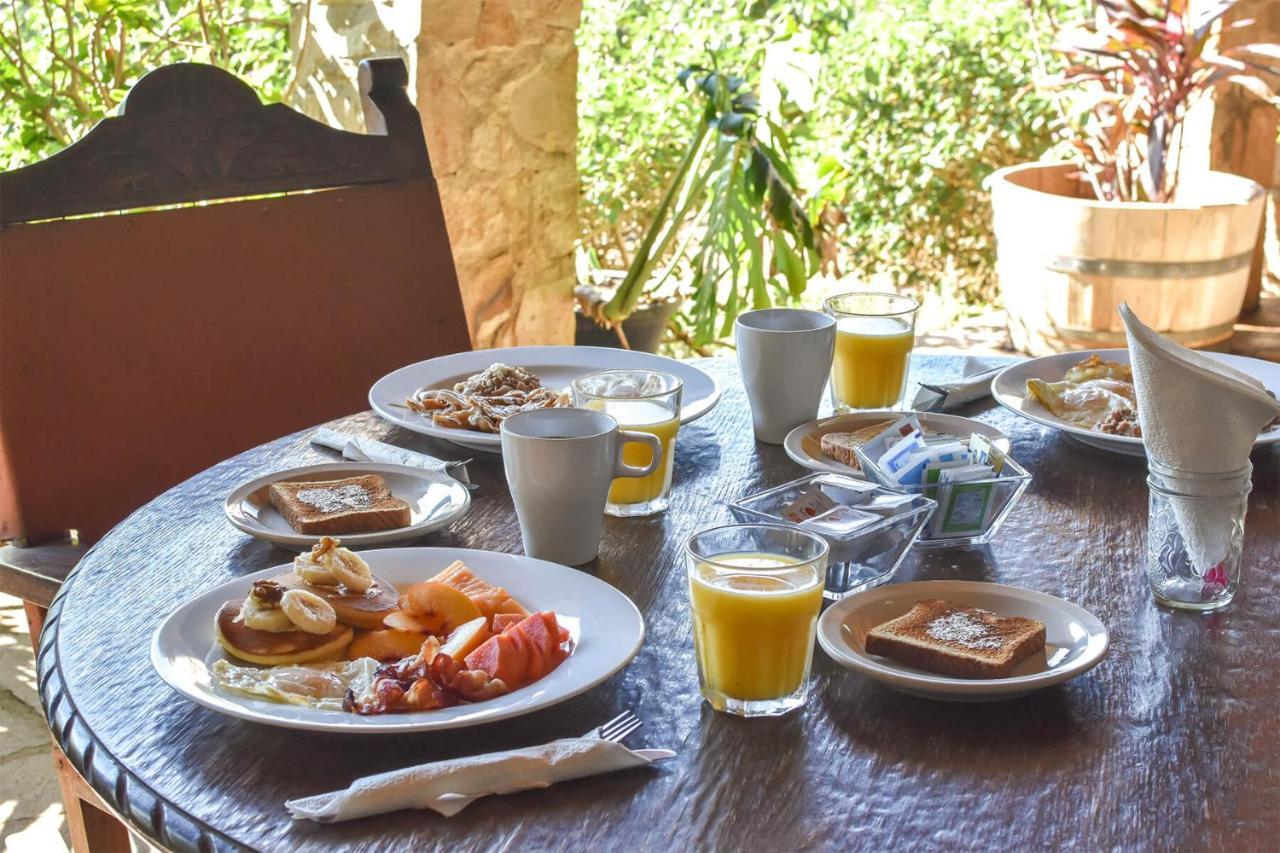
(30, 804)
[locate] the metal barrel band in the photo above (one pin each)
(1147, 269)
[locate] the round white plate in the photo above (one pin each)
(606, 627)
(1010, 390)
(804, 443)
(557, 367)
(433, 502)
(1075, 640)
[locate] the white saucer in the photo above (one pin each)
(804, 443)
(435, 501)
(1075, 639)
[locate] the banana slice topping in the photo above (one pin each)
(308, 611)
(262, 618)
(330, 565)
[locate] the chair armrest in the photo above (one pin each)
(34, 574)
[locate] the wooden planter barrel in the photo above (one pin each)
(1066, 260)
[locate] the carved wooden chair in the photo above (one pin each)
(141, 347)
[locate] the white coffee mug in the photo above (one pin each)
(785, 357)
(560, 464)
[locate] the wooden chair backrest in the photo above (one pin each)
(137, 349)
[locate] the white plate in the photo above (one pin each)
(557, 367)
(804, 443)
(606, 626)
(1010, 390)
(433, 502)
(1075, 640)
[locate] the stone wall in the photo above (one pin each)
(496, 82)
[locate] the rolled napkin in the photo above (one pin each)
(450, 786)
(949, 396)
(359, 449)
(1198, 416)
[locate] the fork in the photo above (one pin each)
(617, 728)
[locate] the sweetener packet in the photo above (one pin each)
(812, 502)
(840, 521)
(902, 454)
(895, 432)
(986, 453)
(964, 506)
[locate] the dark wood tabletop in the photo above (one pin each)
(1172, 742)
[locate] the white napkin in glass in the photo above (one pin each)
(359, 449)
(450, 786)
(949, 396)
(1200, 416)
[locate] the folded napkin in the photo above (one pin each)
(359, 449)
(450, 786)
(1199, 416)
(949, 396)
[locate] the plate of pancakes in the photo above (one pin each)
(826, 445)
(191, 644)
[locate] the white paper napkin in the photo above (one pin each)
(450, 786)
(1200, 416)
(948, 396)
(359, 449)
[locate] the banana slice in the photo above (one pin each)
(260, 618)
(351, 569)
(314, 573)
(308, 611)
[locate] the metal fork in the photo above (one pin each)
(618, 728)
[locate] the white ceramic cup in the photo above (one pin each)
(560, 463)
(785, 357)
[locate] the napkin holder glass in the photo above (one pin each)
(861, 556)
(1004, 489)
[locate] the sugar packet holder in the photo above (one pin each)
(974, 483)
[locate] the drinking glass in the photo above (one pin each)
(641, 401)
(1195, 535)
(755, 591)
(874, 336)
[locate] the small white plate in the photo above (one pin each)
(1075, 640)
(557, 367)
(804, 443)
(433, 502)
(1009, 389)
(608, 634)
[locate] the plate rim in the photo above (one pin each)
(344, 723)
(793, 443)
(485, 440)
(305, 540)
(1132, 445)
(944, 685)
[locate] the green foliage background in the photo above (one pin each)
(916, 102)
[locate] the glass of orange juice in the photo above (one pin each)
(640, 401)
(755, 591)
(874, 336)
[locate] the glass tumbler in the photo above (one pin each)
(755, 591)
(874, 336)
(640, 401)
(1195, 535)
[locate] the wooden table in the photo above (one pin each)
(1172, 742)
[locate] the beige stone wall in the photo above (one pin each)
(496, 82)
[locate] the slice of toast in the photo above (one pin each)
(962, 642)
(839, 445)
(350, 505)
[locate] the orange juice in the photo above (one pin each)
(753, 632)
(642, 416)
(869, 370)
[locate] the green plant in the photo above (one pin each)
(1137, 70)
(65, 65)
(731, 213)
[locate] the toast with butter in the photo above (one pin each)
(350, 505)
(961, 642)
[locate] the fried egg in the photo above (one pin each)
(1090, 392)
(317, 685)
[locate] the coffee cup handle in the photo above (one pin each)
(622, 469)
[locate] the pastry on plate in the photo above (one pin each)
(962, 642)
(274, 626)
(351, 505)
